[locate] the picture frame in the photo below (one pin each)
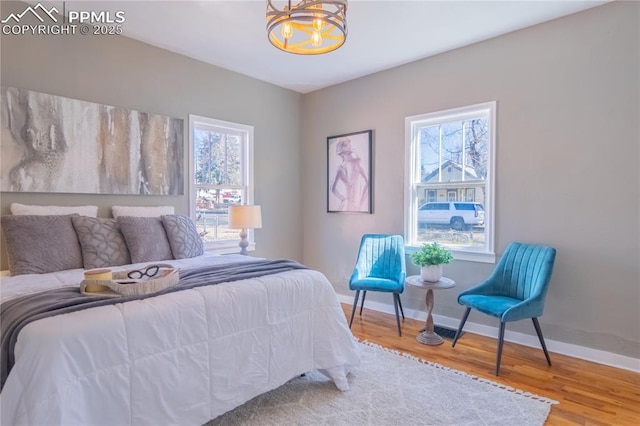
(350, 172)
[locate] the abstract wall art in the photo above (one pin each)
(54, 144)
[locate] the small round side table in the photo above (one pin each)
(428, 336)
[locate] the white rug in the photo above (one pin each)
(392, 389)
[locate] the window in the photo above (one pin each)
(221, 170)
(450, 180)
(471, 194)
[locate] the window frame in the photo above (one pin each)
(247, 174)
(412, 170)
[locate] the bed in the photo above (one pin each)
(180, 358)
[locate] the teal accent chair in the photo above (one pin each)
(380, 267)
(515, 290)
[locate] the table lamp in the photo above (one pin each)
(244, 217)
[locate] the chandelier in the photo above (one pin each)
(310, 27)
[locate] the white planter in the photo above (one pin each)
(431, 273)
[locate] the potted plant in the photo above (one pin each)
(430, 259)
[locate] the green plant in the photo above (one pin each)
(431, 254)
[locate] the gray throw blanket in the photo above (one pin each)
(16, 313)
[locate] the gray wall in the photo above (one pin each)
(118, 71)
(567, 165)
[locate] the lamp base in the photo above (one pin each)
(244, 243)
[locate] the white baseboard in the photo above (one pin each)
(576, 351)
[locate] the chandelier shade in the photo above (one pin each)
(310, 27)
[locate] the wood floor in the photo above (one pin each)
(588, 393)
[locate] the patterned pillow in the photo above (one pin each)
(101, 241)
(146, 238)
(41, 244)
(183, 236)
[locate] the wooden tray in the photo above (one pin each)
(121, 285)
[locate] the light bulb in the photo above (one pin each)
(317, 24)
(316, 39)
(317, 21)
(287, 30)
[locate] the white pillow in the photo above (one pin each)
(141, 211)
(18, 209)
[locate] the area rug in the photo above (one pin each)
(390, 388)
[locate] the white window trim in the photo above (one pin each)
(487, 254)
(228, 246)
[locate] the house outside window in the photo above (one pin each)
(449, 183)
(221, 175)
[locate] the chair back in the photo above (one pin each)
(524, 271)
(382, 256)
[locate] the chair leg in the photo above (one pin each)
(364, 294)
(355, 305)
(400, 303)
(500, 342)
(395, 305)
(462, 321)
(539, 331)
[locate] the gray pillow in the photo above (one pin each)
(146, 238)
(41, 244)
(101, 241)
(183, 236)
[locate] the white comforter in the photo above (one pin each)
(181, 358)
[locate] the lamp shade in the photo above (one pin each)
(245, 217)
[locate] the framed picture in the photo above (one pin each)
(349, 172)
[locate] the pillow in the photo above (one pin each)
(101, 242)
(183, 236)
(40, 244)
(24, 209)
(146, 238)
(140, 211)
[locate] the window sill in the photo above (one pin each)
(466, 255)
(214, 248)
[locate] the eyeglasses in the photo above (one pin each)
(150, 272)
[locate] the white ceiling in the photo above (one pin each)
(382, 34)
